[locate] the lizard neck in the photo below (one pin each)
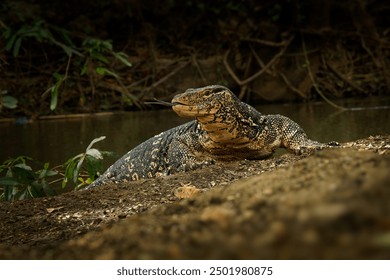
(228, 127)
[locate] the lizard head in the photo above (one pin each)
(203, 102)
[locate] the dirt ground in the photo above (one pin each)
(330, 205)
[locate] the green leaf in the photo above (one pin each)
(16, 47)
(9, 102)
(14, 161)
(9, 181)
(122, 57)
(10, 43)
(94, 141)
(100, 70)
(46, 173)
(36, 189)
(54, 97)
(69, 170)
(23, 194)
(64, 34)
(99, 57)
(50, 173)
(9, 172)
(58, 76)
(7, 33)
(47, 189)
(82, 183)
(84, 69)
(105, 71)
(95, 153)
(107, 44)
(54, 90)
(9, 193)
(23, 175)
(67, 50)
(43, 33)
(75, 158)
(93, 167)
(64, 182)
(24, 166)
(76, 171)
(89, 181)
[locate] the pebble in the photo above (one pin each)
(268, 191)
(186, 192)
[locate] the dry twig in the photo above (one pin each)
(261, 71)
(195, 61)
(341, 76)
(265, 42)
(290, 86)
(315, 85)
(170, 74)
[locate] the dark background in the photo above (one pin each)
(61, 57)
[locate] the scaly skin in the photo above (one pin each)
(224, 129)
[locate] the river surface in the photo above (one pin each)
(55, 141)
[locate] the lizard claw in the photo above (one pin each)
(333, 144)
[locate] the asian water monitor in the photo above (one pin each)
(224, 129)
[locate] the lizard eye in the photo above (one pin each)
(207, 94)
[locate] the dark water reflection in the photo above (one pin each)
(57, 140)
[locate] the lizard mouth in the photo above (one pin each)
(181, 108)
(176, 101)
(184, 110)
(178, 104)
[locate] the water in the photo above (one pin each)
(55, 141)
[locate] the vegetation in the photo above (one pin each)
(19, 181)
(89, 56)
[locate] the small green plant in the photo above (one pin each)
(90, 57)
(41, 32)
(95, 55)
(92, 158)
(97, 51)
(54, 90)
(7, 101)
(275, 12)
(19, 181)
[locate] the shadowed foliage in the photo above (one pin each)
(71, 56)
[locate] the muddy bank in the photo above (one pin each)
(333, 204)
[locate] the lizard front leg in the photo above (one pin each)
(293, 137)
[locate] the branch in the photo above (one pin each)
(315, 85)
(342, 77)
(258, 59)
(261, 71)
(170, 74)
(290, 86)
(264, 42)
(195, 61)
